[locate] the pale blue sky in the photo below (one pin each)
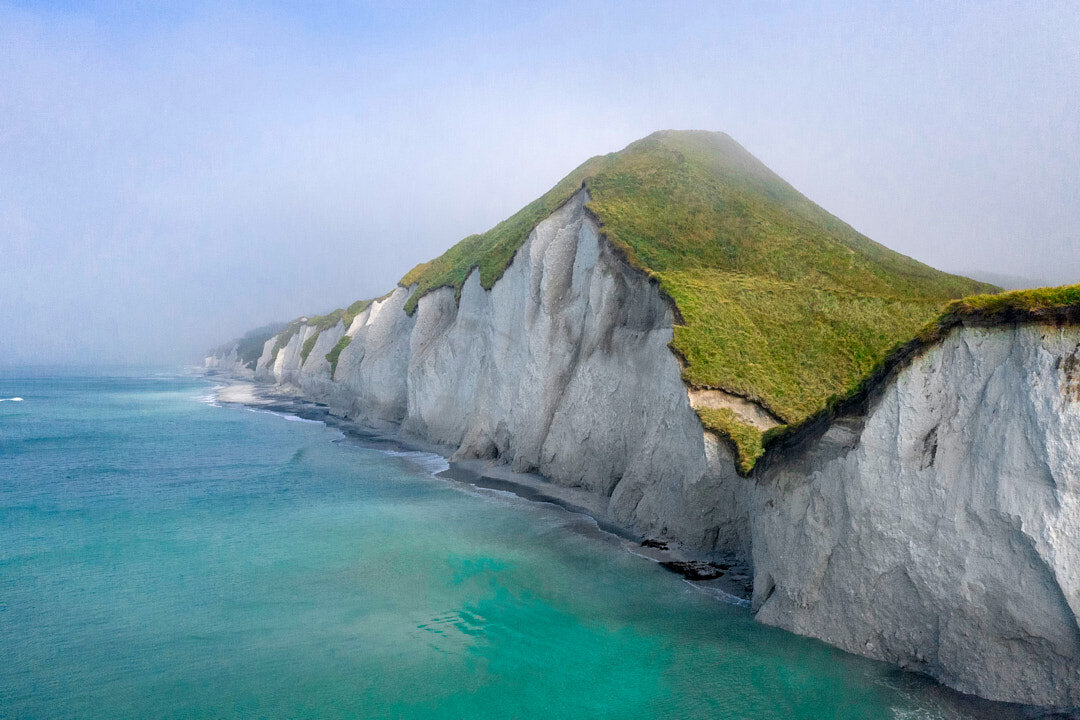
(172, 177)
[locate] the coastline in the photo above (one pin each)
(730, 583)
(727, 579)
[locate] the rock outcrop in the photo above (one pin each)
(939, 530)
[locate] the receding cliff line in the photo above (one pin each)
(564, 367)
(775, 300)
(927, 514)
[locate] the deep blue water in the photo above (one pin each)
(162, 557)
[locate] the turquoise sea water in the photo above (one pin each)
(162, 557)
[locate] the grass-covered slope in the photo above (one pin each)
(781, 302)
(1051, 306)
(250, 347)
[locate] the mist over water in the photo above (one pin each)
(166, 557)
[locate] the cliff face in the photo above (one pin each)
(941, 531)
(562, 368)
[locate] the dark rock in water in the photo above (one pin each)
(693, 570)
(657, 544)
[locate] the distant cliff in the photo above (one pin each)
(239, 357)
(930, 517)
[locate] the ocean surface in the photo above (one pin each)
(165, 557)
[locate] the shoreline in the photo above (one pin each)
(726, 579)
(730, 583)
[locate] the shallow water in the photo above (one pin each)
(165, 557)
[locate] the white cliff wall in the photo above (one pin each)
(314, 380)
(562, 368)
(940, 532)
(370, 381)
(944, 534)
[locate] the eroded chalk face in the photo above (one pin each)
(947, 537)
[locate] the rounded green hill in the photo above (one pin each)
(779, 301)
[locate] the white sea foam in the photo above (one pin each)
(11, 399)
(431, 462)
(285, 416)
(632, 551)
(297, 418)
(509, 494)
(918, 714)
(210, 398)
(719, 594)
(504, 498)
(707, 589)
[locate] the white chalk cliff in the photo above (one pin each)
(939, 530)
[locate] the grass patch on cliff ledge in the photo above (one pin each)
(308, 346)
(780, 302)
(1052, 306)
(321, 323)
(492, 251)
(335, 353)
(745, 438)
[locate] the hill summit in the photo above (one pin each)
(781, 303)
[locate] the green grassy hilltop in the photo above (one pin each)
(781, 302)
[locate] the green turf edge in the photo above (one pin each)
(745, 439)
(1058, 306)
(452, 268)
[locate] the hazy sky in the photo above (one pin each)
(172, 177)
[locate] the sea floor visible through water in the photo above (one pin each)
(164, 555)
